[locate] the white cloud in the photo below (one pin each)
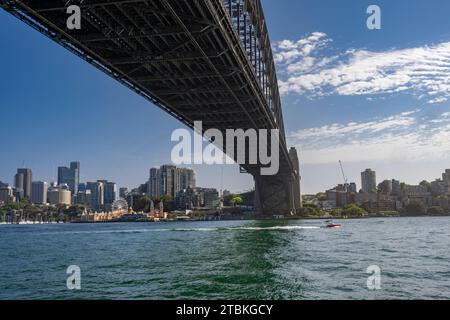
(405, 136)
(304, 69)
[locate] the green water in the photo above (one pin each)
(227, 260)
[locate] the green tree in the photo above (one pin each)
(142, 204)
(354, 210)
(415, 209)
(236, 200)
(426, 184)
(436, 211)
(321, 196)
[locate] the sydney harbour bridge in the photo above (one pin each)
(198, 60)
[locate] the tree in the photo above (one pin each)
(236, 200)
(426, 184)
(142, 204)
(354, 210)
(321, 196)
(436, 211)
(415, 209)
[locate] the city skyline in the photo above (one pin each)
(401, 129)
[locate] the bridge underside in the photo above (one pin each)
(198, 60)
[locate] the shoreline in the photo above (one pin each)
(322, 218)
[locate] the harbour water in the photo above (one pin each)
(228, 260)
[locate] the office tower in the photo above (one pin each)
(70, 176)
(211, 198)
(187, 179)
(123, 192)
(23, 180)
(3, 184)
(167, 180)
(110, 190)
(6, 194)
(385, 187)
(396, 188)
(352, 188)
(170, 180)
(97, 195)
(154, 183)
(368, 181)
(39, 192)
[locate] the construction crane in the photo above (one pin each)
(343, 175)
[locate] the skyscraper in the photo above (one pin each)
(97, 195)
(70, 176)
(170, 180)
(23, 180)
(153, 183)
(368, 181)
(39, 192)
(110, 191)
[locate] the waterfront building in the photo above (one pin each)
(385, 187)
(6, 194)
(192, 198)
(153, 183)
(417, 193)
(97, 195)
(169, 180)
(123, 192)
(368, 181)
(39, 192)
(84, 198)
(396, 188)
(110, 195)
(352, 188)
(60, 195)
(439, 187)
(70, 176)
(23, 180)
(446, 179)
(211, 198)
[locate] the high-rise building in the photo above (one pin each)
(39, 192)
(110, 194)
(385, 187)
(154, 183)
(170, 180)
(97, 195)
(211, 198)
(70, 176)
(396, 188)
(187, 178)
(23, 180)
(123, 192)
(352, 188)
(6, 194)
(368, 181)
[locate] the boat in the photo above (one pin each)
(333, 226)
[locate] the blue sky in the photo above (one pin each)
(378, 99)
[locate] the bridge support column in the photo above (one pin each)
(274, 195)
(279, 194)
